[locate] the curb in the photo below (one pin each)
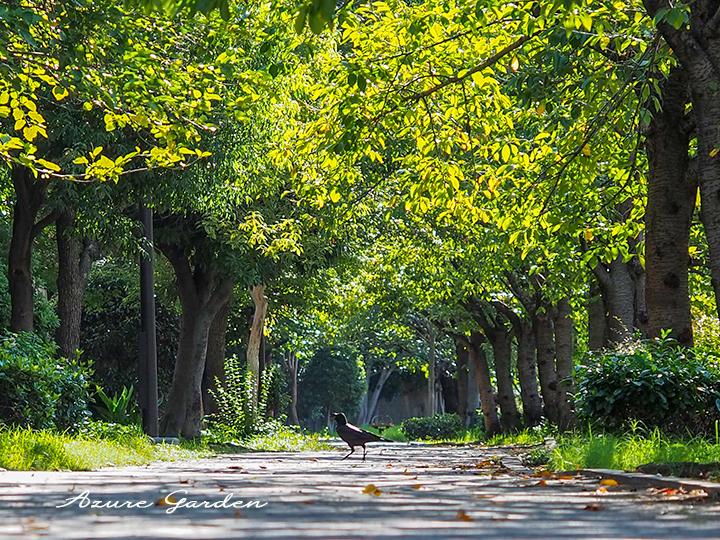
(642, 480)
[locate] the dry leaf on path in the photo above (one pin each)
(609, 482)
(602, 490)
(417, 486)
(462, 516)
(372, 489)
(166, 501)
(594, 507)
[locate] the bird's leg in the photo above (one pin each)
(352, 449)
(364, 452)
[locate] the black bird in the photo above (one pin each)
(353, 435)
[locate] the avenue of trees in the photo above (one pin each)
(481, 191)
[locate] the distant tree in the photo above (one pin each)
(331, 382)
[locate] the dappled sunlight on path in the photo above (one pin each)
(417, 491)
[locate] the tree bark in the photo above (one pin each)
(671, 199)
(291, 361)
(431, 390)
(527, 374)
(461, 355)
(597, 313)
(202, 291)
(564, 347)
(257, 292)
(696, 45)
(215, 357)
(75, 255)
(501, 342)
(618, 290)
(485, 388)
(544, 339)
(29, 198)
(374, 396)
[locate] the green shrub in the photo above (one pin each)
(118, 408)
(330, 382)
(439, 426)
(38, 389)
(238, 414)
(656, 382)
(110, 431)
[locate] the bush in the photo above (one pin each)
(38, 389)
(657, 383)
(439, 426)
(95, 430)
(111, 318)
(331, 382)
(238, 414)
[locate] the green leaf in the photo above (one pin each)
(300, 20)
(316, 22)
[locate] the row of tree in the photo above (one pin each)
(503, 183)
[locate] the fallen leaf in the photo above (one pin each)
(697, 493)
(542, 474)
(462, 516)
(609, 482)
(185, 481)
(669, 491)
(372, 489)
(237, 513)
(166, 501)
(601, 490)
(237, 467)
(542, 483)
(594, 507)
(389, 465)
(565, 477)
(417, 486)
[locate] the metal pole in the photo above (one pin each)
(148, 344)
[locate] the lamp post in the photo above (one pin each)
(148, 345)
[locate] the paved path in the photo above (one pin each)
(450, 492)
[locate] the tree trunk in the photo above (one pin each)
(431, 391)
(668, 215)
(543, 329)
(75, 255)
(564, 347)
(257, 292)
(202, 291)
(29, 198)
(501, 341)
(461, 355)
(374, 397)
(704, 82)
(527, 374)
(184, 414)
(618, 289)
(597, 317)
(292, 363)
(472, 392)
(696, 45)
(215, 357)
(485, 388)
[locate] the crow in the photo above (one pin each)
(353, 435)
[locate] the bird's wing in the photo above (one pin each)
(369, 436)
